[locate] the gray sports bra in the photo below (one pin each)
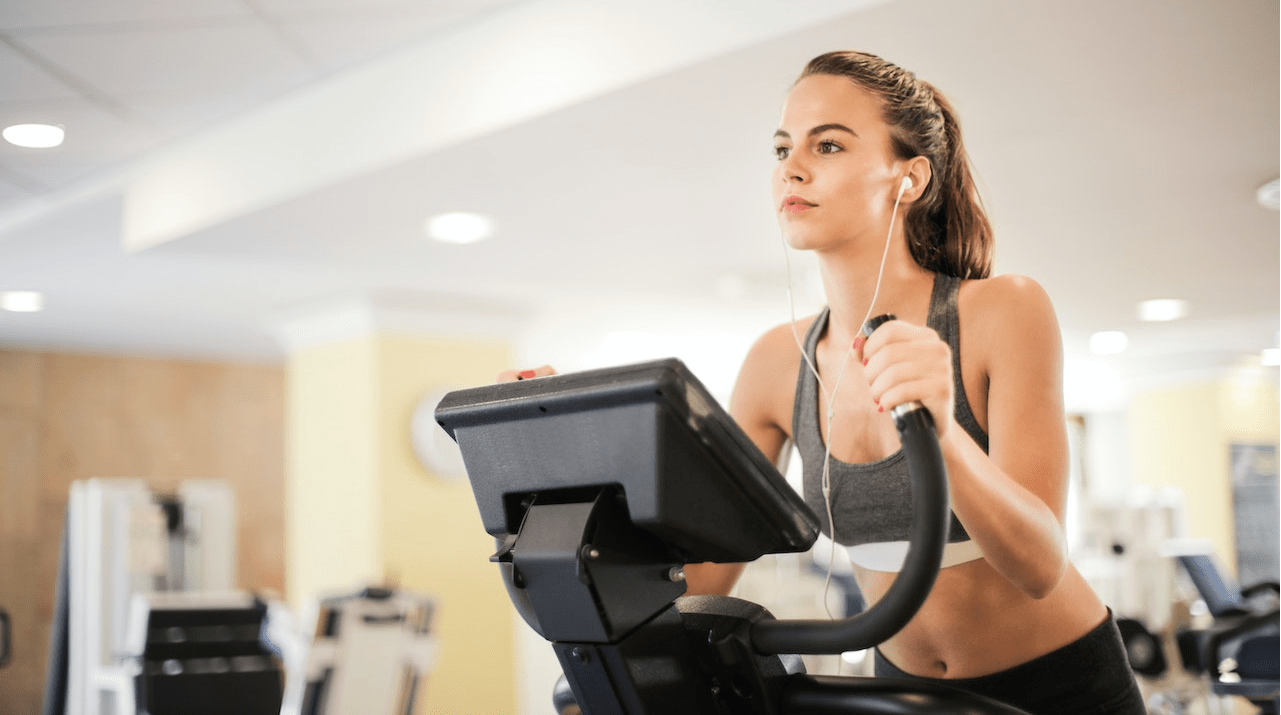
(871, 502)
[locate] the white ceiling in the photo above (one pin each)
(235, 169)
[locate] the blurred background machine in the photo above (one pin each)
(370, 654)
(1197, 640)
(146, 614)
(148, 619)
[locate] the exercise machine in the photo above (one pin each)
(145, 606)
(1238, 651)
(201, 653)
(599, 487)
(148, 620)
(371, 652)
(1216, 640)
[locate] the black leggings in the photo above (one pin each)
(1090, 676)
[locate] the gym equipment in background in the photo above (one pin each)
(600, 486)
(1169, 685)
(1238, 651)
(122, 541)
(202, 653)
(371, 653)
(1215, 640)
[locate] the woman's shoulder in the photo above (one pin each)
(1007, 310)
(1005, 297)
(767, 379)
(780, 345)
(1003, 289)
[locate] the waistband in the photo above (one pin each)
(1073, 678)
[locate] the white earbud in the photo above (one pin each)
(905, 185)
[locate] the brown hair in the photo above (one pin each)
(947, 228)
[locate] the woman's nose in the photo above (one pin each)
(792, 170)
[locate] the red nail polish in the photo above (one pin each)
(858, 342)
(880, 409)
(525, 374)
(865, 361)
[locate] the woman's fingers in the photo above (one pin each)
(905, 363)
(513, 375)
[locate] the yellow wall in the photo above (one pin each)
(331, 480)
(1182, 436)
(363, 510)
(433, 539)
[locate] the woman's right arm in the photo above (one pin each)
(761, 405)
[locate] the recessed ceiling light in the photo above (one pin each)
(1163, 309)
(1269, 195)
(459, 227)
(34, 136)
(21, 301)
(1109, 342)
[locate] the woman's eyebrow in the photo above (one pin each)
(832, 127)
(819, 130)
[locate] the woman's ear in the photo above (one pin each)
(919, 172)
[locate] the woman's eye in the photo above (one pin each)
(828, 147)
(781, 152)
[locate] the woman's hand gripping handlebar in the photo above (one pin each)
(931, 514)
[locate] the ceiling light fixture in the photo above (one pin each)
(34, 136)
(459, 227)
(1109, 342)
(1163, 309)
(1269, 195)
(21, 301)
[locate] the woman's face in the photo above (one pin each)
(836, 177)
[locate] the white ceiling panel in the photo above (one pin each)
(338, 41)
(36, 14)
(23, 80)
(55, 170)
(178, 114)
(14, 189)
(226, 59)
(312, 9)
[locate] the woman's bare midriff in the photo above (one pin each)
(976, 622)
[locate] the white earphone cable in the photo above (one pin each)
(831, 396)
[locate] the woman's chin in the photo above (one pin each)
(800, 241)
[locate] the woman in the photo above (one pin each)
(861, 143)
(872, 176)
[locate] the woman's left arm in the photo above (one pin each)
(1012, 498)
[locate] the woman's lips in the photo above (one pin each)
(795, 205)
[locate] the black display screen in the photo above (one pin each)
(688, 472)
